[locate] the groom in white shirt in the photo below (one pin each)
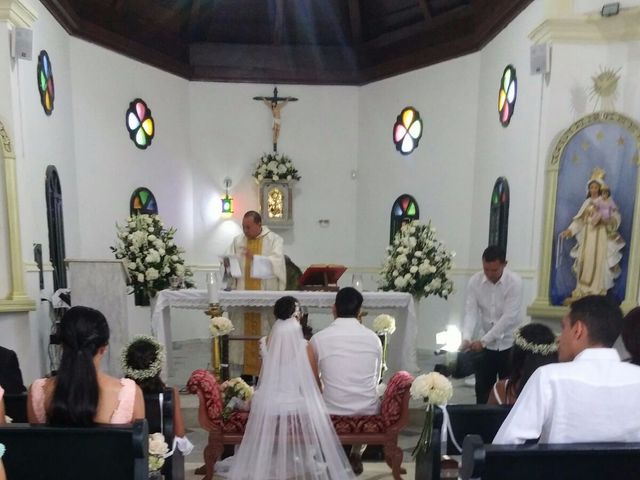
(349, 357)
(592, 397)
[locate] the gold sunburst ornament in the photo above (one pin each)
(604, 88)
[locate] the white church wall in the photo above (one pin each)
(439, 174)
(40, 141)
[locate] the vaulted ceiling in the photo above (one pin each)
(349, 42)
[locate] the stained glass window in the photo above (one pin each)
(404, 210)
(407, 130)
(507, 95)
(143, 201)
(499, 214)
(140, 123)
(45, 82)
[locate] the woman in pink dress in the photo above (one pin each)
(81, 394)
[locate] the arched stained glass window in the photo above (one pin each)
(45, 82)
(143, 201)
(404, 210)
(499, 214)
(507, 95)
(407, 130)
(140, 123)
(55, 222)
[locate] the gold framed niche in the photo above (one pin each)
(15, 298)
(276, 204)
(543, 306)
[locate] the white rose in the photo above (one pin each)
(396, 273)
(282, 169)
(161, 252)
(401, 260)
(131, 266)
(276, 177)
(260, 178)
(418, 254)
(157, 444)
(151, 274)
(432, 387)
(289, 177)
(150, 229)
(140, 278)
(151, 238)
(174, 258)
(400, 282)
(432, 269)
(413, 269)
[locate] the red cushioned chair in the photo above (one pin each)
(381, 429)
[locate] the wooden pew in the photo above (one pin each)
(160, 419)
(482, 420)
(15, 406)
(572, 461)
(108, 452)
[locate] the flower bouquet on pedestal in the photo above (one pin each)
(150, 255)
(219, 327)
(236, 395)
(276, 167)
(417, 263)
(384, 325)
(433, 389)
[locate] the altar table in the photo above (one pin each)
(401, 352)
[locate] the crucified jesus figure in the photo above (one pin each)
(276, 104)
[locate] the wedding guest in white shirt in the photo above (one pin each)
(349, 356)
(592, 397)
(492, 309)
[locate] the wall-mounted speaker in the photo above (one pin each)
(21, 43)
(540, 59)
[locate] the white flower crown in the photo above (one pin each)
(537, 348)
(149, 372)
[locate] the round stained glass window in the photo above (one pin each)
(507, 95)
(45, 82)
(140, 123)
(407, 130)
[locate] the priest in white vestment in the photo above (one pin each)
(262, 267)
(591, 397)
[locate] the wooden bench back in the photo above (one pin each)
(572, 461)
(109, 452)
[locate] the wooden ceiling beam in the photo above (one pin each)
(278, 23)
(356, 21)
(192, 19)
(425, 10)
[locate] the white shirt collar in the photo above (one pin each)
(598, 353)
(346, 321)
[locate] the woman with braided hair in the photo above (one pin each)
(80, 394)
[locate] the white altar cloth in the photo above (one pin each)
(401, 351)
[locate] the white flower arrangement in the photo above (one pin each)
(275, 166)
(158, 450)
(417, 263)
(433, 388)
(150, 254)
(219, 326)
(236, 395)
(384, 324)
(7, 419)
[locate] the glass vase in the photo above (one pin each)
(141, 298)
(424, 442)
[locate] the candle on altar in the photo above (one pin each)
(212, 288)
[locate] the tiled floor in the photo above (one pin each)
(193, 354)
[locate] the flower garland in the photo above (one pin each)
(417, 263)
(275, 166)
(535, 348)
(149, 372)
(150, 254)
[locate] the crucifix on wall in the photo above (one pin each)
(276, 104)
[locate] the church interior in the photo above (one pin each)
(353, 67)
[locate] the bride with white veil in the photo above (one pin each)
(289, 434)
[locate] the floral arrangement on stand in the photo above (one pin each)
(158, 450)
(433, 389)
(417, 263)
(151, 256)
(219, 326)
(384, 325)
(236, 395)
(275, 166)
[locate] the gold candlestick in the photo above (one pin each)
(215, 310)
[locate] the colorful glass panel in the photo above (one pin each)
(140, 123)
(499, 214)
(46, 86)
(507, 95)
(143, 201)
(404, 209)
(407, 130)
